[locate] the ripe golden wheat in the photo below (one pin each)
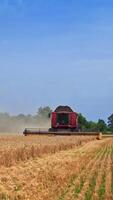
(14, 149)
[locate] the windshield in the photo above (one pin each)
(63, 118)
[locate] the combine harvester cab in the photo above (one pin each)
(64, 121)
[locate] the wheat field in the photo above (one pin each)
(14, 149)
(56, 168)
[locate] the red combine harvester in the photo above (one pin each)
(64, 121)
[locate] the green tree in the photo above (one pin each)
(82, 122)
(101, 125)
(91, 126)
(110, 122)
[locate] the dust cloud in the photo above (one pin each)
(17, 124)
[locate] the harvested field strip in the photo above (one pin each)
(101, 190)
(108, 194)
(72, 187)
(104, 177)
(86, 176)
(90, 183)
(112, 173)
(93, 182)
(100, 173)
(90, 178)
(80, 185)
(74, 177)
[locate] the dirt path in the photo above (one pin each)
(67, 175)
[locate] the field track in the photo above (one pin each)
(84, 172)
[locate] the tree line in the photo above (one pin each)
(100, 125)
(17, 123)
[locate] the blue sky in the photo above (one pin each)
(56, 52)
